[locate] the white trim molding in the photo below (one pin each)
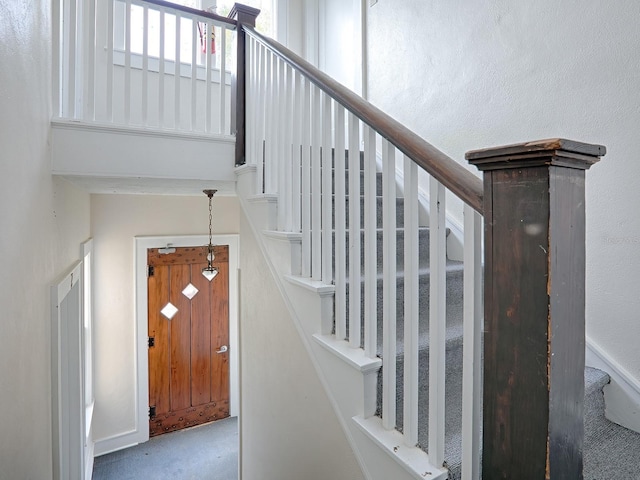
(67, 399)
(622, 394)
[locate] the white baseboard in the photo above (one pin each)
(622, 395)
(116, 442)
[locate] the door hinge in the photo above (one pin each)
(150, 271)
(152, 342)
(152, 411)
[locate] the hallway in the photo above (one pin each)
(205, 452)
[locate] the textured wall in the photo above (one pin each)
(289, 429)
(468, 75)
(42, 223)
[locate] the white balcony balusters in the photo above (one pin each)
(133, 63)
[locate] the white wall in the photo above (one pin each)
(289, 430)
(468, 75)
(42, 223)
(115, 221)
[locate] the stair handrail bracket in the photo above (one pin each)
(534, 334)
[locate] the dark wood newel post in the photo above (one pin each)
(244, 15)
(534, 340)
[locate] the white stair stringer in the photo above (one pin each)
(347, 375)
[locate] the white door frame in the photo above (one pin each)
(67, 407)
(141, 244)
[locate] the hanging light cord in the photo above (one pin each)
(210, 271)
(210, 256)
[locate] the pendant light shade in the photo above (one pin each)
(210, 271)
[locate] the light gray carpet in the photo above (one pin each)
(205, 452)
(611, 452)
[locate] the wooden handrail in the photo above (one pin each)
(447, 171)
(193, 11)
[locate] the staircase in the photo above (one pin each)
(610, 451)
(327, 285)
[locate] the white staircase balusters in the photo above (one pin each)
(259, 135)
(327, 193)
(437, 320)
(389, 285)
(270, 121)
(296, 149)
(288, 112)
(411, 296)
(316, 185)
(370, 244)
(280, 111)
(355, 253)
(340, 209)
(251, 99)
(472, 346)
(306, 180)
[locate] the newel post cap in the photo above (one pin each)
(556, 151)
(244, 14)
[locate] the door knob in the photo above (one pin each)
(223, 349)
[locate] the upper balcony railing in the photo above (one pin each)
(143, 63)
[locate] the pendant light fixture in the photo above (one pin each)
(210, 271)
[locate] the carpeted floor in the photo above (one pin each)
(206, 452)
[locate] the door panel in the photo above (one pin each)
(180, 340)
(201, 339)
(188, 379)
(220, 338)
(158, 288)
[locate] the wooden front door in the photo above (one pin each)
(188, 339)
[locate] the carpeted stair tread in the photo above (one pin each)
(454, 305)
(423, 250)
(399, 211)
(361, 182)
(611, 452)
